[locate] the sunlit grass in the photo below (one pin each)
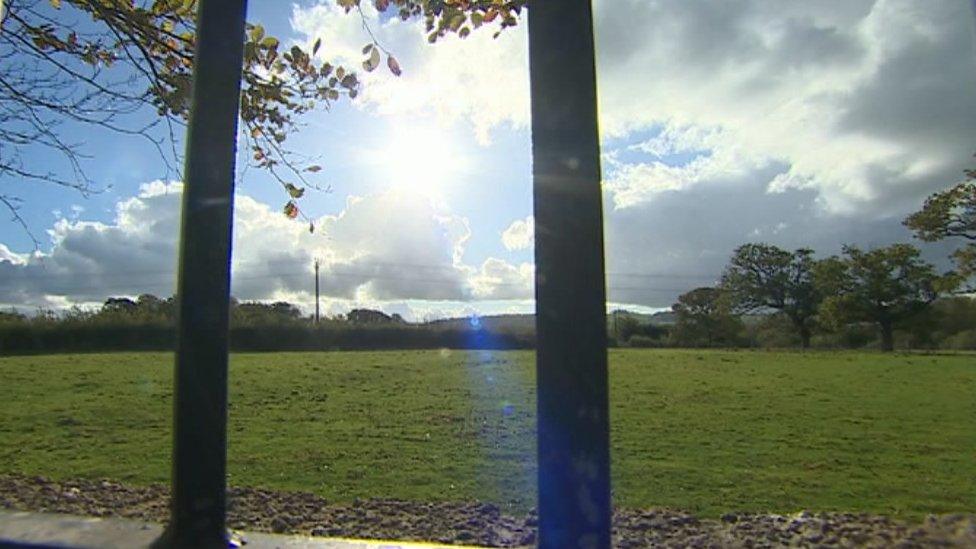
(703, 431)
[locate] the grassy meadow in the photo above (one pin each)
(705, 431)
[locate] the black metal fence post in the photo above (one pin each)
(200, 391)
(574, 454)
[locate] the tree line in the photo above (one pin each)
(147, 323)
(151, 309)
(767, 296)
(889, 287)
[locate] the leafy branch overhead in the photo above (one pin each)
(951, 214)
(140, 54)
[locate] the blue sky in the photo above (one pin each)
(722, 122)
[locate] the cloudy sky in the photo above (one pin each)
(723, 122)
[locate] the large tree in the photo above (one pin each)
(704, 318)
(951, 214)
(105, 63)
(765, 277)
(886, 286)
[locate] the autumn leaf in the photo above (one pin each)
(391, 62)
(291, 210)
(373, 61)
(349, 81)
(295, 192)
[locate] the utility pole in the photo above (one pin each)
(316, 291)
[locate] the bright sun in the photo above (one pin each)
(423, 159)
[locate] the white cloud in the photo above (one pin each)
(12, 257)
(802, 124)
(681, 240)
(520, 235)
(383, 248)
(498, 279)
(868, 102)
(480, 80)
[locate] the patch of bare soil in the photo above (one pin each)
(474, 523)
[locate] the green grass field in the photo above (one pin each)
(697, 430)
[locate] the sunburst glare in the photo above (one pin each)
(424, 159)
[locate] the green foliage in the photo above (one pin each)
(951, 213)
(762, 277)
(887, 286)
(774, 331)
(148, 324)
(955, 314)
(962, 341)
(705, 319)
(12, 317)
(278, 313)
(370, 316)
(943, 325)
(625, 326)
(856, 335)
(705, 431)
(966, 260)
(640, 341)
(626, 329)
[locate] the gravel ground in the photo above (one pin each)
(484, 524)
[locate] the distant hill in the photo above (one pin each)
(495, 323)
(659, 318)
(519, 323)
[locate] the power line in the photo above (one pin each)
(446, 269)
(143, 280)
(365, 276)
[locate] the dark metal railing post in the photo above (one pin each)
(574, 430)
(200, 391)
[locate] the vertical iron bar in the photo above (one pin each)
(200, 393)
(574, 454)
